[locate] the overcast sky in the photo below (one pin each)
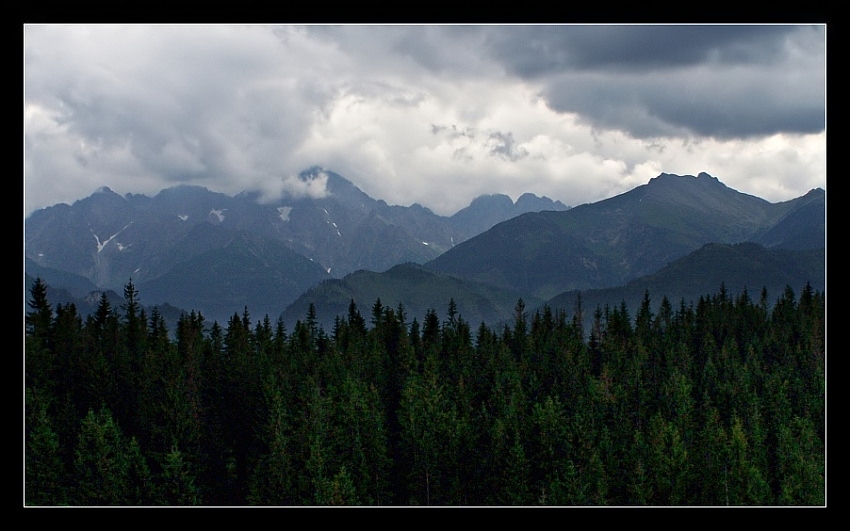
(435, 115)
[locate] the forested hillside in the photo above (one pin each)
(720, 402)
(616, 240)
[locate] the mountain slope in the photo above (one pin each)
(75, 285)
(86, 303)
(488, 210)
(244, 271)
(108, 239)
(736, 267)
(418, 289)
(803, 227)
(613, 241)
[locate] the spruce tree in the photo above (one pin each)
(40, 353)
(45, 473)
(109, 468)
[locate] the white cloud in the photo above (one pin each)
(315, 187)
(407, 113)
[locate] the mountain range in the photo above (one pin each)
(736, 268)
(203, 250)
(676, 236)
(610, 242)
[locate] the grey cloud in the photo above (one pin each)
(462, 155)
(497, 143)
(236, 107)
(722, 103)
(533, 51)
(503, 145)
(716, 80)
(722, 81)
(452, 131)
(413, 49)
(194, 104)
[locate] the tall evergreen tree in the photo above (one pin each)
(177, 481)
(40, 354)
(45, 481)
(109, 469)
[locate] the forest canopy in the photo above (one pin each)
(716, 402)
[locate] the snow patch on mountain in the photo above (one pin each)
(101, 245)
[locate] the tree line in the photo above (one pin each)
(718, 402)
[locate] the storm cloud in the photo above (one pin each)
(425, 114)
(707, 80)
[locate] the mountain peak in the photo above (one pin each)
(493, 200)
(703, 180)
(183, 188)
(103, 195)
(105, 191)
(529, 202)
(311, 173)
(700, 175)
(666, 177)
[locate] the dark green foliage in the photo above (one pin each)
(721, 402)
(419, 288)
(39, 354)
(45, 471)
(109, 468)
(177, 481)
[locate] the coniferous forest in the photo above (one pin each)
(716, 402)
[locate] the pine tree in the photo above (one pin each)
(746, 485)
(273, 479)
(431, 432)
(320, 458)
(551, 455)
(362, 440)
(519, 334)
(40, 354)
(45, 471)
(177, 481)
(801, 464)
(669, 461)
(712, 458)
(128, 360)
(109, 469)
(639, 483)
(39, 316)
